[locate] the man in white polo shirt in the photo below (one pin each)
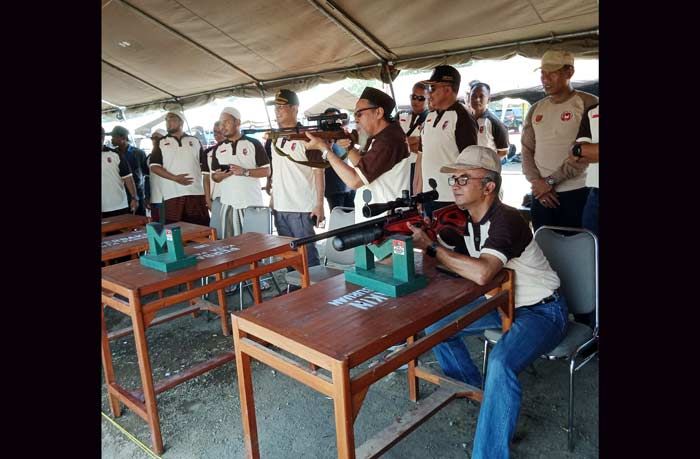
(492, 132)
(448, 130)
(497, 236)
(179, 159)
(297, 189)
(386, 166)
(157, 214)
(247, 162)
(115, 174)
(412, 124)
(558, 186)
(213, 199)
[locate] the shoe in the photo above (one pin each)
(265, 285)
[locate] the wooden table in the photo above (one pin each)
(134, 242)
(337, 333)
(125, 284)
(123, 222)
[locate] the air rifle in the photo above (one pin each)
(448, 222)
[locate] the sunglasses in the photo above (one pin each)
(358, 113)
(418, 98)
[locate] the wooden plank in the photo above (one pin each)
(288, 345)
(122, 222)
(245, 390)
(405, 424)
(107, 367)
(131, 401)
(289, 367)
(134, 242)
(342, 410)
(413, 389)
(462, 390)
(194, 371)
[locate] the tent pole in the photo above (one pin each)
(391, 87)
(262, 95)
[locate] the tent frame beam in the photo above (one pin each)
(138, 79)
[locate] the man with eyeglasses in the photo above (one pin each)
(549, 131)
(497, 236)
(412, 124)
(384, 169)
(296, 190)
(492, 132)
(448, 129)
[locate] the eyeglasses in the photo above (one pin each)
(461, 181)
(419, 98)
(358, 113)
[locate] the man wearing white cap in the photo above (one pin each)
(497, 236)
(549, 131)
(238, 163)
(157, 214)
(179, 159)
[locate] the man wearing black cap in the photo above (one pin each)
(297, 189)
(385, 168)
(448, 130)
(179, 158)
(115, 174)
(137, 162)
(412, 124)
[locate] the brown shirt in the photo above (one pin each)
(384, 151)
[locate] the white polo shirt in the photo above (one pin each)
(445, 134)
(492, 132)
(114, 171)
(293, 185)
(408, 120)
(588, 132)
(214, 188)
(183, 156)
(237, 190)
(156, 185)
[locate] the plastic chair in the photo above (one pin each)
(333, 261)
(575, 260)
(256, 219)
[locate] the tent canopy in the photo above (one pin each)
(341, 99)
(156, 53)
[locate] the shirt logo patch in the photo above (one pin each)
(245, 151)
(166, 143)
(294, 145)
(538, 118)
(428, 120)
(595, 116)
(481, 129)
(566, 116)
(109, 160)
(444, 125)
(191, 143)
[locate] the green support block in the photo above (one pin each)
(166, 252)
(396, 280)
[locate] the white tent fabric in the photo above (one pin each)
(341, 99)
(163, 53)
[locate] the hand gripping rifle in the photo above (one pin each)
(328, 128)
(448, 222)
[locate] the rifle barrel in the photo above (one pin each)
(338, 231)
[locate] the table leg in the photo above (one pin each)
(305, 281)
(221, 295)
(257, 293)
(413, 392)
(114, 405)
(342, 407)
(149, 394)
(245, 390)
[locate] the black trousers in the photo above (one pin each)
(568, 213)
(343, 199)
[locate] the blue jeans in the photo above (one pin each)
(535, 330)
(297, 224)
(590, 211)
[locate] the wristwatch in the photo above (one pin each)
(246, 172)
(431, 250)
(324, 154)
(576, 150)
(550, 181)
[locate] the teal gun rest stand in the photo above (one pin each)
(165, 250)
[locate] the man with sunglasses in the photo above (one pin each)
(497, 236)
(549, 131)
(449, 129)
(384, 169)
(412, 124)
(296, 189)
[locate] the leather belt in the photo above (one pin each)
(549, 299)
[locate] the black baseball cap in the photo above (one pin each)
(444, 74)
(379, 98)
(119, 131)
(285, 97)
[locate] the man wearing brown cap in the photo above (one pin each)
(297, 189)
(448, 129)
(549, 131)
(497, 236)
(385, 167)
(179, 159)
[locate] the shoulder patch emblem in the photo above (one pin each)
(538, 118)
(294, 145)
(595, 116)
(481, 129)
(191, 143)
(109, 160)
(566, 116)
(444, 125)
(245, 151)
